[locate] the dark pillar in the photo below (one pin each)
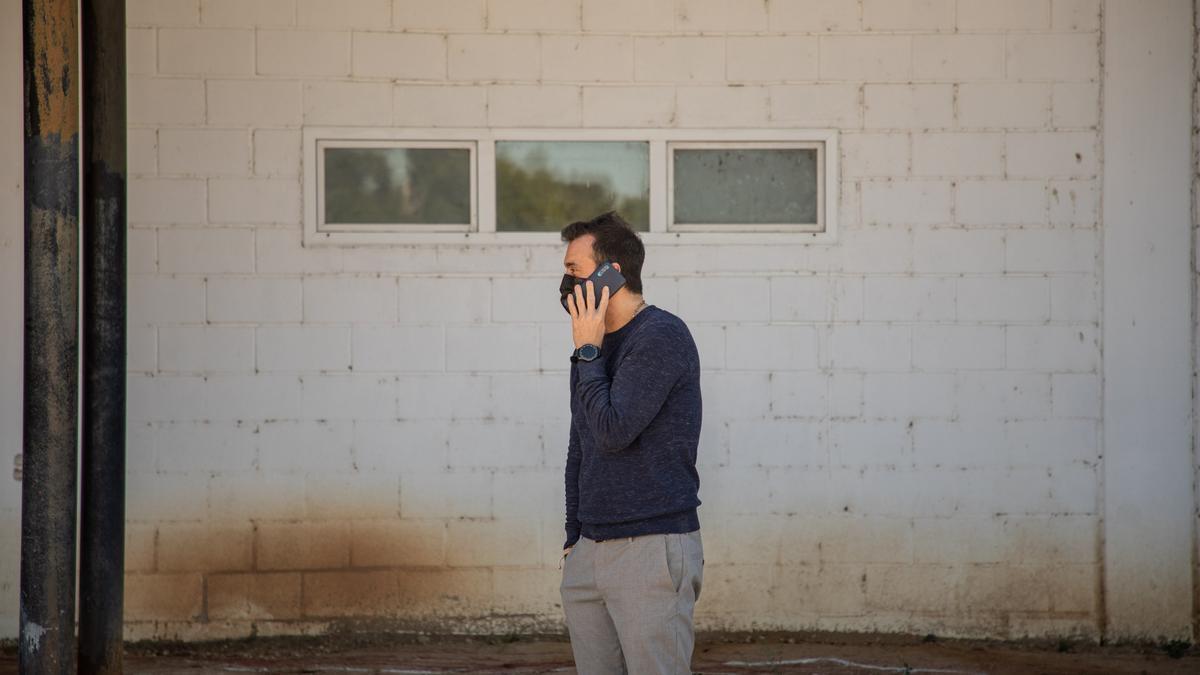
(48, 490)
(102, 516)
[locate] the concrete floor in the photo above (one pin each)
(719, 653)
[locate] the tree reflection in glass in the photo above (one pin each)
(544, 185)
(398, 185)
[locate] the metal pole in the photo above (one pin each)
(48, 489)
(102, 518)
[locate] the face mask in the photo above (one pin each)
(567, 287)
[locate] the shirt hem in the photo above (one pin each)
(684, 521)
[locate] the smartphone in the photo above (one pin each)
(605, 275)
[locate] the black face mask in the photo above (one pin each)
(567, 287)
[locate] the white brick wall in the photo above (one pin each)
(922, 394)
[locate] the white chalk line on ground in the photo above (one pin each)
(340, 669)
(388, 671)
(844, 662)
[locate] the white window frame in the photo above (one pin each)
(484, 183)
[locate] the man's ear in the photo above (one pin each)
(617, 266)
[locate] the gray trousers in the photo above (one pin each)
(629, 602)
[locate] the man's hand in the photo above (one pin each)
(587, 320)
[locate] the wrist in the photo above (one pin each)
(589, 341)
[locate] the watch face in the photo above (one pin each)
(589, 352)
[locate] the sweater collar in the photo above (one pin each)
(637, 318)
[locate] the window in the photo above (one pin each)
(543, 185)
(521, 186)
(411, 185)
(758, 186)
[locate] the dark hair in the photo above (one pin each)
(615, 241)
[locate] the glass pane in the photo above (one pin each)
(546, 185)
(398, 185)
(745, 185)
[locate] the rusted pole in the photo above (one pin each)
(102, 516)
(48, 489)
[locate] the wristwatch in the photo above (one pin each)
(588, 352)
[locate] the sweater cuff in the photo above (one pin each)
(593, 368)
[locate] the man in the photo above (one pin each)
(633, 556)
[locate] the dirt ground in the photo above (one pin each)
(715, 653)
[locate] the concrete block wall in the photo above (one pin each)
(1195, 281)
(901, 428)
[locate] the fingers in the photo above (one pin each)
(583, 302)
(579, 304)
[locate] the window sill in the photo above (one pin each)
(747, 238)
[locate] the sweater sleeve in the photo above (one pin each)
(572, 488)
(620, 408)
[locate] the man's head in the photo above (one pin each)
(605, 237)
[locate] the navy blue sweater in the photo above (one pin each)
(635, 428)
